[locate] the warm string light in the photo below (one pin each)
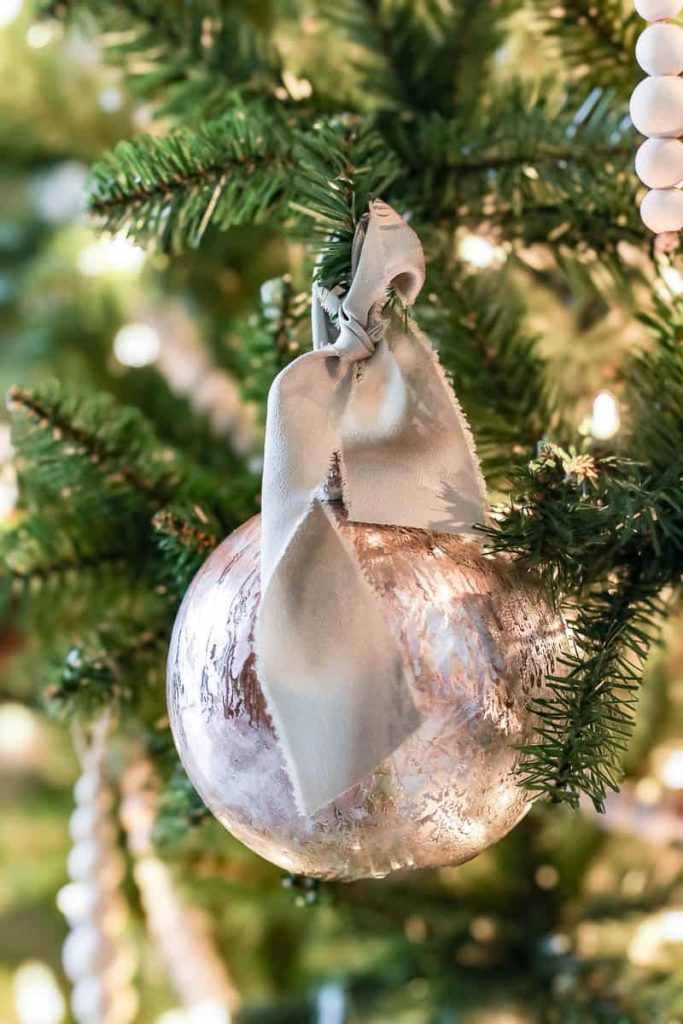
(18, 733)
(480, 252)
(37, 997)
(113, 255)
(653, 936)
(672, 279)
(137, 344)
(605, 421)
(9, 11)
(9, 490)
(669, 767)
(41, 34)
(207, 1013)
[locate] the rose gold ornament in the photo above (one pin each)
(480, 639)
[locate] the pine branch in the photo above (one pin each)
(185, 539)
(341, 166)
(427, 55)
(607, 537)
(105, 437)
(186, 54)
(557, 174)
(597, 40)
(477, 324)
(103, 670)
(265, 342)
(587, 719)
(169, 190)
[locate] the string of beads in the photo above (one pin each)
(657, 112)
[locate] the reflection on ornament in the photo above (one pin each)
(114, 255)
(479, 252)
(37, 999)
(480, 639)
(606, 420)
(137, 345)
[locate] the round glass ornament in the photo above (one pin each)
(480, 638)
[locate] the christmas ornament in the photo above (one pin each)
(480, 639)
(97, 956)
(348, 683)
(657, 111)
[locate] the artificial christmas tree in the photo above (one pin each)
(231, 150)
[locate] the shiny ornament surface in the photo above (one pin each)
(480, 639)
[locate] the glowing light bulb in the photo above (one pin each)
(41, 34)
(116, 255)
(18, 732)
(137, 345)
(673, 280)
(209, 1013)
(606, 420)
(671, 926)
(204, 1013)
(10, 11)
(671, 769)
(37, 998)
(479, 252)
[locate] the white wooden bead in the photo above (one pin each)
(657, 10)
(659, 163)
(657, 107)
(659, 50)
(662, 210)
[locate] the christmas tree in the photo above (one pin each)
(174, 175)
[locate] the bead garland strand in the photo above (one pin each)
(98, 956)
(657, 112)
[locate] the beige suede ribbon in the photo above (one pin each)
(336, 682)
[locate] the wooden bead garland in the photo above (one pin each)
(658, 10)
(659, 50)
(659, 163)
(657, 112)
